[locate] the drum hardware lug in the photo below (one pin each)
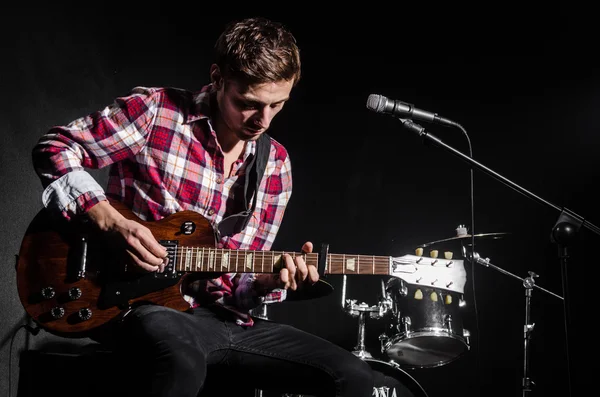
(449, 322)
(404, 291)
(467, 336)
(385, 305)
(385, 342)
(407, 323)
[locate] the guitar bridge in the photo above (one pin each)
(169, 272)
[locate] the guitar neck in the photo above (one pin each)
(199, 259)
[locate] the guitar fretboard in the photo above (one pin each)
(199, 259)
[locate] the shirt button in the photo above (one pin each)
(219, 180)
(211, 211)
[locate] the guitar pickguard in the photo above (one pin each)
(120, 292)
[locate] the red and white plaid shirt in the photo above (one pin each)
(165, 157)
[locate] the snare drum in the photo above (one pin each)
(426, 328)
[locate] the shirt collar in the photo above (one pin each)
(200, 107)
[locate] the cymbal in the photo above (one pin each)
(492, 236)
(318, 290)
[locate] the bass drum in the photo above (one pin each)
(392, 381)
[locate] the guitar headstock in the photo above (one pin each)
(443, 273)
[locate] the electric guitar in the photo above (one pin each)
(72, 279)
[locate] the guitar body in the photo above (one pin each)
(72, 279)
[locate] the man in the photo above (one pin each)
(171, 150)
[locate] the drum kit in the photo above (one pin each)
(422, 311)
(423, 314)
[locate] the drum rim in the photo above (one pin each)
(430, 331)
(394, 365)
(397, 339)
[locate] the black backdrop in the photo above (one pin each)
(525, 89)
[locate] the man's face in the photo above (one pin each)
(247, 111)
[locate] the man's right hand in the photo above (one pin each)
(145, 252)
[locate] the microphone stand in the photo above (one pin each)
(529, 284)
(563, 232)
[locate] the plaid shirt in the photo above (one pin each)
(165, 157)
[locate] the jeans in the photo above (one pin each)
(172, 353)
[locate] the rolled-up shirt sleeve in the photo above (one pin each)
(97, 140)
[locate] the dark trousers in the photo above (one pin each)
(172, 353)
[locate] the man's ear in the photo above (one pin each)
(216, 77)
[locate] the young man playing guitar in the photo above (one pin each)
(171, 150)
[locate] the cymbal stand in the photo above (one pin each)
(360, 310)
(529, 284)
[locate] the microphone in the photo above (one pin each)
(381, 104)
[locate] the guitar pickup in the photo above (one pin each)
(170, 270)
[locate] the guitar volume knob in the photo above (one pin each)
(57, 312)
(48, 292)
(84, 314)
(74, 293)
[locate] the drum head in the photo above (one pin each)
(391, 381)
(426, 349)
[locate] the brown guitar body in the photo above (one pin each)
(71, 279)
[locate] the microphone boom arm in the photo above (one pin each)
(574, 218)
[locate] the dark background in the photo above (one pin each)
(525, 88)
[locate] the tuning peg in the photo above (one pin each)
(433, 253)
(419, 252)
(448, 255)
(433, 296)
(418, 294)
